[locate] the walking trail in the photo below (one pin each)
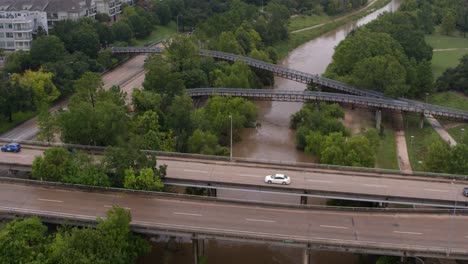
(400, 141)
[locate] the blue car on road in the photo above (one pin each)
(12, 147)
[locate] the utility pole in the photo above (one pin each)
(230, 152)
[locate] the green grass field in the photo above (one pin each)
(440, 41)
(301, 21)
(18, 118)
(449, 99)
(158, 33)
(459, 133)
(442, 60)
(422, 138)
(386, 157)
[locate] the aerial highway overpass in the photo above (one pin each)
(403, 233)
(308, 180)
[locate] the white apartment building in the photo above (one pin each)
(111, 7)
(69, 9)
(17, 28)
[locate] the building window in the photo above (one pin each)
(20, 44)
(2, 35)
(10, 26)
(2, 44)
(1, 25)
(10, 44)
(20, 35)
(9, 34)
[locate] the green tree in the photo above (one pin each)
(436, 158)
(41, 85)
(54, 166)
(122, 31)
(205, 143)
(23, 241)
(110, 242)
(48, 126)
(448, 23)
(47, 49)
(146, 180)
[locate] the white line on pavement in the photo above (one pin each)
(249, 175)
(436, 190)
(200, 171)
(375, 185)
(47, 200)
(408, 233)
(110, 206)
(337, 227)
(320, 181)
(260, 220)
(179, 213)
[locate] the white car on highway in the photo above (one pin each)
(278, 178)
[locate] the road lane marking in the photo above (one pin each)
(319, 181)
(260, 220)
(110, 206)
(375, 185)
(199, 171)
(408, 233)
(53, 201)
(179, 213)
(436, 190)
(249, 175)
(336, 227)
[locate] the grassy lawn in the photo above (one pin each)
(301, 21)
(386, 157)
(422, 138)
(449, 99)
(297, 39)
(458, 134)
(442, 60)
(158, 33)
(440, 41)
(18, 118)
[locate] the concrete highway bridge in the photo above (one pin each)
(380, 101)
(308, 180)
(375, 231)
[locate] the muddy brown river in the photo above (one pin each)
(272, 141)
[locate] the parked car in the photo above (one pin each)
(465, 191)
(278, 178)
(12, 147)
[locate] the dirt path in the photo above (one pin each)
(450, 49)
(439, 128)
(335, 20)
(400, 141)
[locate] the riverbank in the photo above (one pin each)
(313, 31)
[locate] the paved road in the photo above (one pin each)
(383, 230)
(302, 178)
(122, 75)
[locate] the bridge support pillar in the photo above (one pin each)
(306, 255)
(304, 198)
(212, 192)
(378, 119)
(198, 249)
(421, 121)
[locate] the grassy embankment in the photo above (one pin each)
(159, 32)
(386, 157)
(329, 23)
(422, 138)
(18, 118)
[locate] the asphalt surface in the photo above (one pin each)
(304, 178)
(436, 232)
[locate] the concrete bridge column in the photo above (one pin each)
(198, 249)
(378, 119)
(306, 255)
(304, 198)
(211, 191)
(421, 121)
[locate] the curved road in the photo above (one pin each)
(396, 231)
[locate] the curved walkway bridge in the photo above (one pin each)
(370, 98)
(302, 96)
